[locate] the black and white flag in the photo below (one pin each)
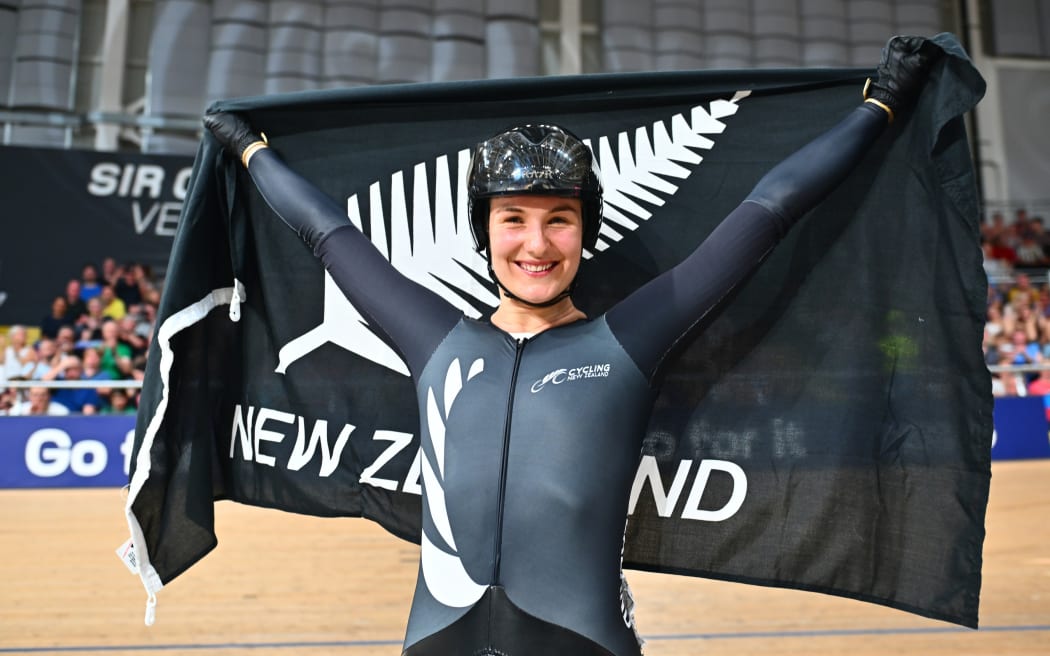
(829, 429)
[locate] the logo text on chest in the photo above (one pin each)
(559, 376)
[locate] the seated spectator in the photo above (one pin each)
(1028, 322)
(119, 403)
(127, 288)
(90, 324)
(41, 360)
(994, 228)
(116, 355)
(75, 306)
(78, 400)
(59, 317)
(1008, 383)
(92, 362)
(1030, 252)
(66, 340)
(110, 271)
(994, 267)
(144, 279)
(994, 321)
(89, 285)
(112, 306)
(1021, 292)
(1002, 251)
(129, 334)
(39, 403)
(16, 352)
(8, 400)
(1021, 350)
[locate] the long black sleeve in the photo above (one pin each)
(679, 298)
(414, 318)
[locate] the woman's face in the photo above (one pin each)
(535, 244)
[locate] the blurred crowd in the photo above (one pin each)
(98, 329)
(1017, 329)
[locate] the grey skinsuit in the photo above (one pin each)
(530, 447)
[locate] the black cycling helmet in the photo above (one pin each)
(534, 159)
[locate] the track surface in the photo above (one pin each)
(281, 584)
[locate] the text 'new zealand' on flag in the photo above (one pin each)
(827, 429)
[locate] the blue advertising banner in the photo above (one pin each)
(1020, 429)
(65, 451)
(94, 451)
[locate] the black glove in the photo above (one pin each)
(902, 72)
(234, 133)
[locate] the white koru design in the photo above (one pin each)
(443, 571)
(637, 168)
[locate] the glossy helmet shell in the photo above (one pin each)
(545, 160)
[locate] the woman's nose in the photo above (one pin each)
(536, 239)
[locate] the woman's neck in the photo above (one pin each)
(514, 317)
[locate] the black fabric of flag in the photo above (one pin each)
(828, 430)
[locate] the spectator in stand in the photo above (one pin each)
(90, 325)
(89, 284)
(75, 306)
(144, 279)
(1030, 252)
(39, 403)
(59, 317)
(76, 400)
(41, 360)
(994, 267)
(1002, 251)
(127, 288)
(116, 355)
(110, 271)
(994, 321)
(16, 353)
(1005, 383)
(1027, 322)
(993, 229)
(119, 403)
(66, 340)
(1022, 350)
(93, 370)
(8, 400)
(1037, 231)
(1021, 293)
(129, 334)
(112, 306)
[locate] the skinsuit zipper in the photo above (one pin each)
(498, 547)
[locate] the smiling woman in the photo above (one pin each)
(522, 542)
(535, 244)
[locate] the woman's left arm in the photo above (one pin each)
(679, 298)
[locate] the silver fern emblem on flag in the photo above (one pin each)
(639, 169)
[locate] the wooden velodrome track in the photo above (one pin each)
(283, 584)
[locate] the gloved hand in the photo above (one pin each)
(234, 133)
(902, 72)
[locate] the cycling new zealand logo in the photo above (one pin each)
(559, 376)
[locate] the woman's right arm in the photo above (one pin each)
(413, 317)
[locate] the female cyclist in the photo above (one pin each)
(521, 546)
